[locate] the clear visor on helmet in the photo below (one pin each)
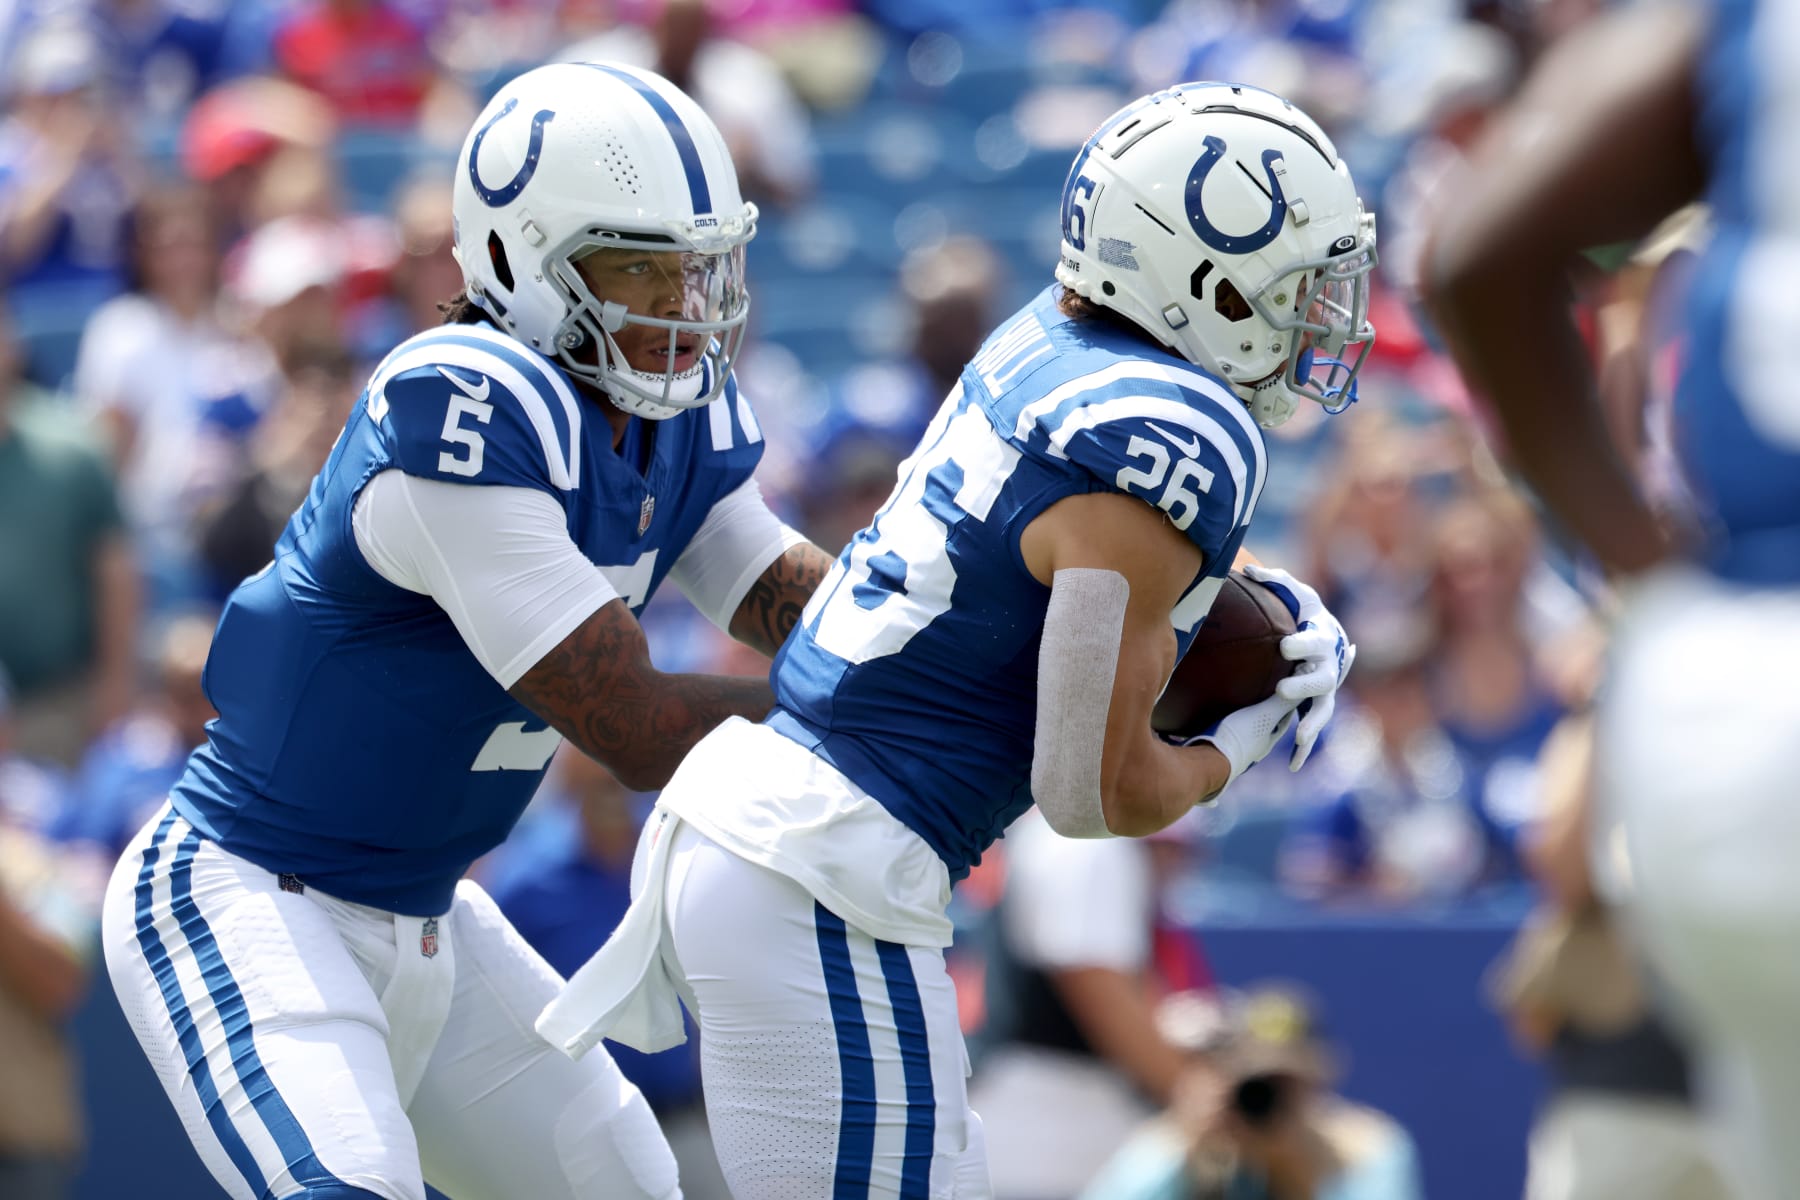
(1325, 303)
(656, 328)
(667, 285)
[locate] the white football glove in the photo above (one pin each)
(1246, 736)
(1320, 648)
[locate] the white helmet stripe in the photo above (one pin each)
(698, 189)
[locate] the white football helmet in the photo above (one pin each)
(578, 157)
(1220, 219)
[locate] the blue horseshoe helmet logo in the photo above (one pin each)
(507, 192)
(1226, 243)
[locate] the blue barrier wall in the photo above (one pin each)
(1400, 996)
(1403, 1002)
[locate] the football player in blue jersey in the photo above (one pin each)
(1698, 745)
(998, 635)
(331, 1011)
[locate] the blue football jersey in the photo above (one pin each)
(360, 745)
(1738, 418)
(914, 669)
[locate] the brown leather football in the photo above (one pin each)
(1235, 660)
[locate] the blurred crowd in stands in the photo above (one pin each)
(216, 215)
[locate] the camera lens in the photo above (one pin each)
(1260, 1098)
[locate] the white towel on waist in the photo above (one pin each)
(624, 992)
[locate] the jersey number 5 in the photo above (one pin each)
(468, 464)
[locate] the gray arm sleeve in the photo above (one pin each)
(1076, 662)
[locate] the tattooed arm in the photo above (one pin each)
(771, 608)
(500, 563)
(599, 689)
(748, 572)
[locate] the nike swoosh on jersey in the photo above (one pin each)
(480, 394)
(1189, 448)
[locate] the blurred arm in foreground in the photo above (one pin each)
(1584, 158)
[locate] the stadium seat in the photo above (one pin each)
(1251, 845)
(374, 163)
(48, 320)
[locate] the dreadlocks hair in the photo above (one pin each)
(460, 310)
(1078, 307)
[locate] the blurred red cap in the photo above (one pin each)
(243, 122)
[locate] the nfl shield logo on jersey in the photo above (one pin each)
(646, 510)
(428, 937)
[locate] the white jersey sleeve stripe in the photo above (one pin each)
(747, 418)
(1172, 412)
(1234, 408)
(1041, 411)
(563, 470)
(559, 383)
(718, 416)
(1038, 410)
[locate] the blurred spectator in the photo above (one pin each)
(287, 279)
(236, 532)
(1300, 49)
(953, 288)
(827, 50)
(1446, 97)
(167, 51)
(1487, 686)
(1255, 1118)
(126, 774)
(1366, 538)
(1429, 773)
(365, 57)
(67, 173)
(766, 126)
(564, 891)
(1396, 823)
(48, 912)
(243, 131)
(1619, 1120)
(1076, 1061)
(286, 288)
(1005, 18)
(153, 363)
(426, 273)
(873, 417)
(852, 455)
(68, 589)
(66, 168)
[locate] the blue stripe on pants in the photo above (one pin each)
(164, 971)
(915, 1056)
(856, 1065)
(295, 1147)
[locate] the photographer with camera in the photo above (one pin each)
(1255, 1118)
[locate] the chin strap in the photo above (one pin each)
(1271, 402)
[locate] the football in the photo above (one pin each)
(1234, 662)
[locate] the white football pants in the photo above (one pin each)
(318, 1048)
(833, 1064)
(1699, 838)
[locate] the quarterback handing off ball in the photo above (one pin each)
(1235, 660)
